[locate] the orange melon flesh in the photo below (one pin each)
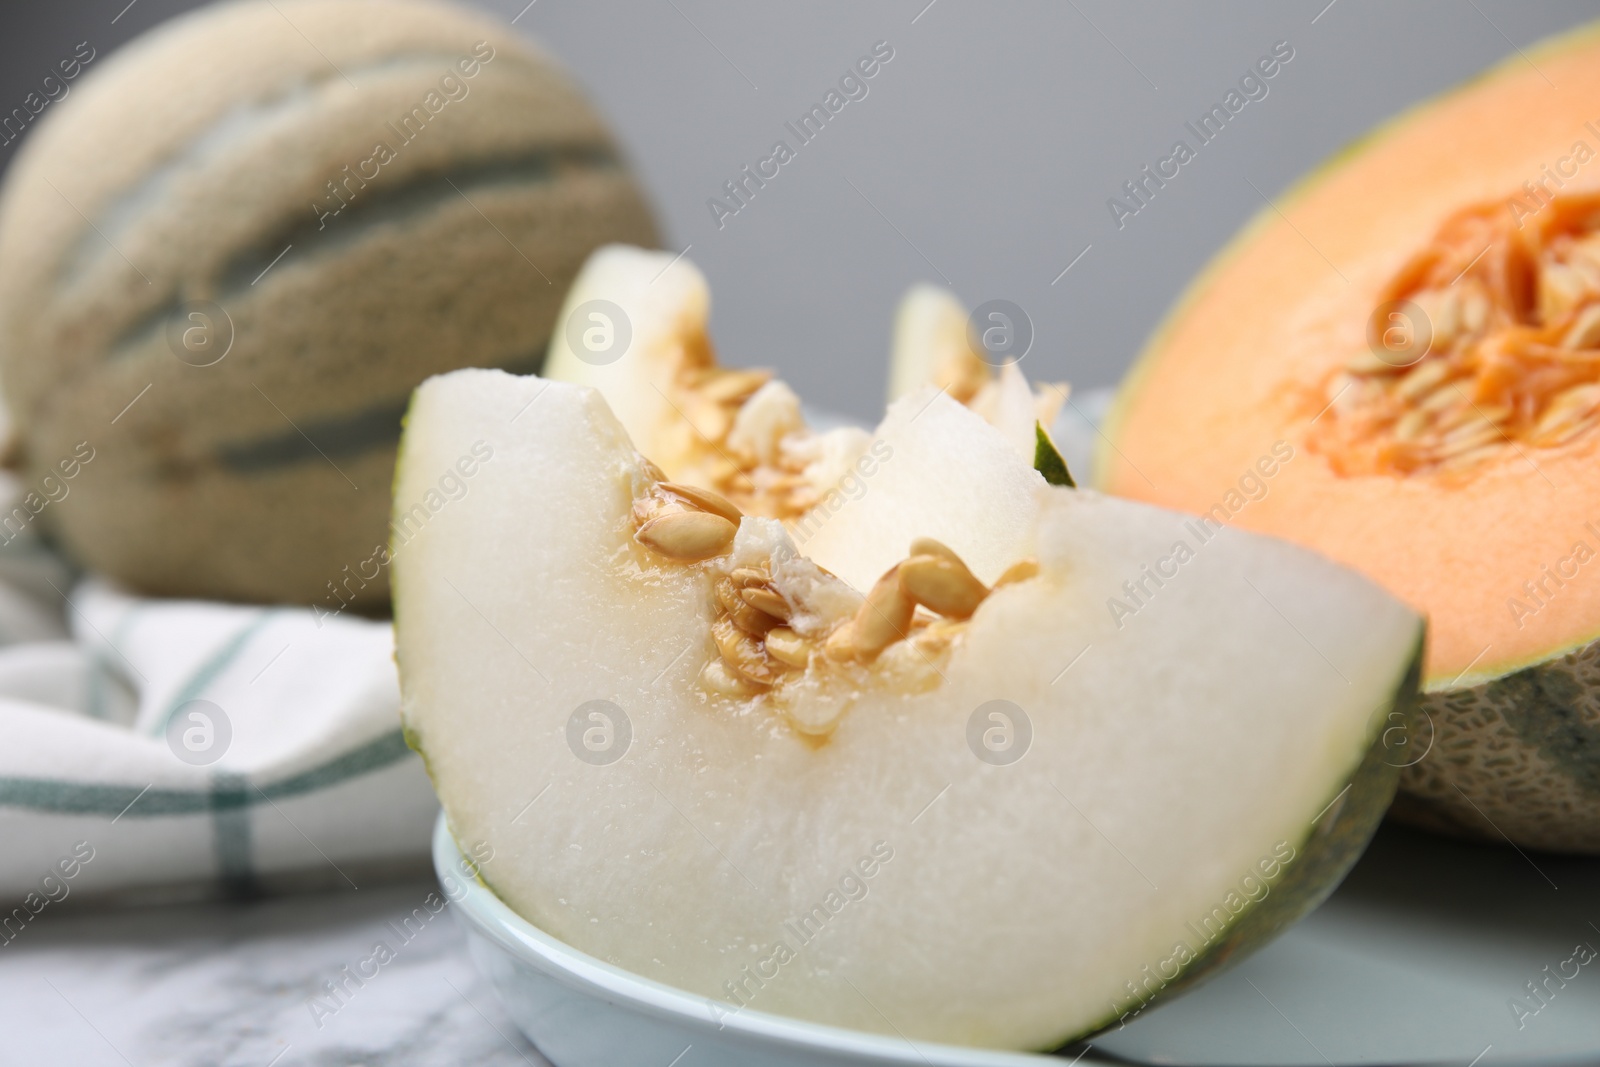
(1238, 365)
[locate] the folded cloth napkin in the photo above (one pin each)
(191, 748)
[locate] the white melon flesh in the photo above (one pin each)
(1175, 751)
(978, 503)
(939, 473)
(665, 306)
(930, 333)
(934, 345)
(734, 430)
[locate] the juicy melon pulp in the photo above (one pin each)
(1403, 371)
(1007, 830)
(1269, 337)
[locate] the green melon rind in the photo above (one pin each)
(1332, 844)
(412, 738)
(1047, 459)
(1515, 759)
(1149, 354)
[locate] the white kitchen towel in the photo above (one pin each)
(192, 748)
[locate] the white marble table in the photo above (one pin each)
(1419, 948)
(228, 985)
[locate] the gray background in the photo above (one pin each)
(983, 154)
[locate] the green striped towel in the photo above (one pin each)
(198, 748)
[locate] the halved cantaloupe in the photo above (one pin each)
(1399, 365)
(835, 768)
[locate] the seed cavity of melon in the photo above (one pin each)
(1485, 341)
(925, 600)
(734, 447)
(744, 435)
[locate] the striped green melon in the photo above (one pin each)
(233, 157)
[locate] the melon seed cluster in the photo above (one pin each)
(743, 433)
(1510, 339)
(926, 598)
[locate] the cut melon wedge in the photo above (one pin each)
(741, 433)
(1399, 366)
(767, 773)
(634, 326)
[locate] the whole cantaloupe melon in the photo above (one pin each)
(229, 255)
(1399, 365)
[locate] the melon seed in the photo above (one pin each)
(1020, 571)
(1410, 425)
(1475, 312)
(750, 620)
(884, 616)
(705, 500)
(1470, 435)
(816, 718)
(1422, 379)
(1446, 318)
(688, 536)
(1463, 460)
(763, 599)
(1561, 288)
(733, 385)
(1443, 397)
(646, 508)
(927, 546)
(943, 585)
(742, 654)
(1368, 362)
(936, 637)
(1488, 379)
(1585, 332)
(1569, 412)
(710, 419)
(841, 643)
(716, 677)
(788, 647)
(1455, 417)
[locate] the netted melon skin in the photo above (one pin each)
(1516, 759)
(230, 159)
